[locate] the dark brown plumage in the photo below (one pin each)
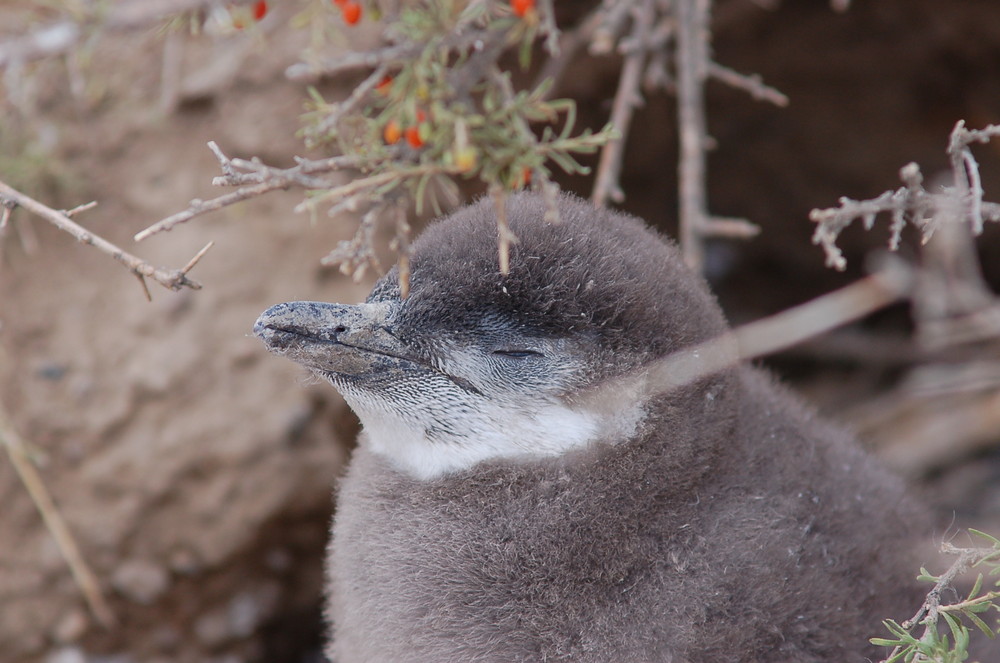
(720, 522)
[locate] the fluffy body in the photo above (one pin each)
(496, 510)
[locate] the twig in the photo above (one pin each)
(768, 335)
(753, 84)
(356, 255)
(549, 27)
(912, 204)
(504, 234)
(694, 66)
(390, 55)
(198, 207)
(570, 43)
(966, 170)
(174, 279)
(614, 15)
(401, 245)
(262, 179)
(627, 99)
(373, 181)
(84, 577)
(7, 208)
(692, 69)
(785, 329)
(358, 95)
(931, 607)
(350, 61)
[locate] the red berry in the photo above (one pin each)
(259, 10)
(351, 11)
(522, 7)
(413, 137)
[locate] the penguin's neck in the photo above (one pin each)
(426, 445)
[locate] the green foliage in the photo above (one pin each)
(438, 106)
(947, 642)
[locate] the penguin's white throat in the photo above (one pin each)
(442, 435)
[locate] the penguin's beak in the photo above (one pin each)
(333, 338)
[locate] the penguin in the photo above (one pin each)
(515, 496)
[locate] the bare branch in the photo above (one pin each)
(692, 70)
(767, 335)
(351, 103)
(549, 28)
(350, 61)
(614, 17)
(911, 203)
(753, 84)
(373, 181)
(260, 178)
(570, 44)
(356, 255)
(627, 99)
(84, 577)
(198, 207)
(174, 279)
(966, 170)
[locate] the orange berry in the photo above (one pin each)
(392, 133)
(384, 86)
(522, 180)
(351, 12)
(259, 10)
(522, 7)
(413, 137)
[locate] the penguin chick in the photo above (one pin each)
(506, 504)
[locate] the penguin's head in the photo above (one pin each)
(475, 365)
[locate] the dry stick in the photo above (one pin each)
(694, 66)
(360, 92)
(175, 279)
(780, 331)
(570, 43)
(84, 577)
(264, 179)
(614, 15)
(627, 99)
(373, 181)
(753, 84)
(199, 207)
(692, 69)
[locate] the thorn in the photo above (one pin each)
(80, 208)
(145, 287)
(198, 256)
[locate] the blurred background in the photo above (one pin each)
(196, 471)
